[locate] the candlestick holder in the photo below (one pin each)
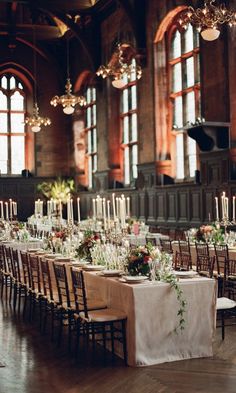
(225, 223)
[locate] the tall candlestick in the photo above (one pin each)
(104, 213)
(234, 208)
(114, 205)
(128, 206)
(71, 211)
(94, 208)
(10, 205)
(2, 210)
(108, 215)
(78, 208)
(7, 211)
(68, 210)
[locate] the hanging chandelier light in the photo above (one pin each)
(35, 121)
(119, 69)
(208, 19)
(68, 100)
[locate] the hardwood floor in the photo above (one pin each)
(34, 365)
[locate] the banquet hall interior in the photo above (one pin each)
(117, 196)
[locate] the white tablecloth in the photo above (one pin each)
(152, 318)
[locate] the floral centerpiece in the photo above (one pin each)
(84, 249)
(138, 260)
(209, 233)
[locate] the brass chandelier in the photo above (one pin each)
(68, 100)
(208, 19)
(35, 121)
(120, 69)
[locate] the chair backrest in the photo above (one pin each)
(222, 255)
(1, 257)
(25, 268)
(184, 247)
(46, 278)
(62, 283)
(166, 245)
(8, 259)
(79, 291)
(183, 261)
(34, 272)
(229, 287)
(179, 234)
(16, 265)
(205, 263)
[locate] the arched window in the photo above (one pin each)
(184, 96)
(12, 128)
(91, 131)
(128, 114)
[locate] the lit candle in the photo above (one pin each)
(117, 207)
(104, 213)
(71, 211)
(7, 211)
(226, 207)
(78, 208)
(128, 206)
(10, 205)
(108, 215)
(68, 210)
(2, 210)
(234, 208)
(114, 205)
(60, 209)
(94, 208)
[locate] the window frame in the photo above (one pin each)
(93, 155)
(8, 92)
(129, 113)
(195, 88)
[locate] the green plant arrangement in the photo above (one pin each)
(58, 190)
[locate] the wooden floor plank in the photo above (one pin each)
(35, 365)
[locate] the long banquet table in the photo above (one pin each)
(151, 310)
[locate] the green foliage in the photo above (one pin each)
(60, 189)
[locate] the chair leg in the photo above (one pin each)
(223, 325)
(104, 341)
(123, 323)
(15, 296)
(112, 340)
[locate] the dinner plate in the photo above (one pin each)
(33, 250)
(134, 279)
(185, 274)
(111, 273)
(93, 267)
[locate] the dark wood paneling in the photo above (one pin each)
(171, 206)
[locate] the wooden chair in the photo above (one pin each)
(205, 263)
(99, 323)
(19, 286)
(26, 281)
(230, 278)
(35, 285)
(65, 312)
(49, 305)
(9, 276)
(222, 256)
(166, 245)
(183, 259)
